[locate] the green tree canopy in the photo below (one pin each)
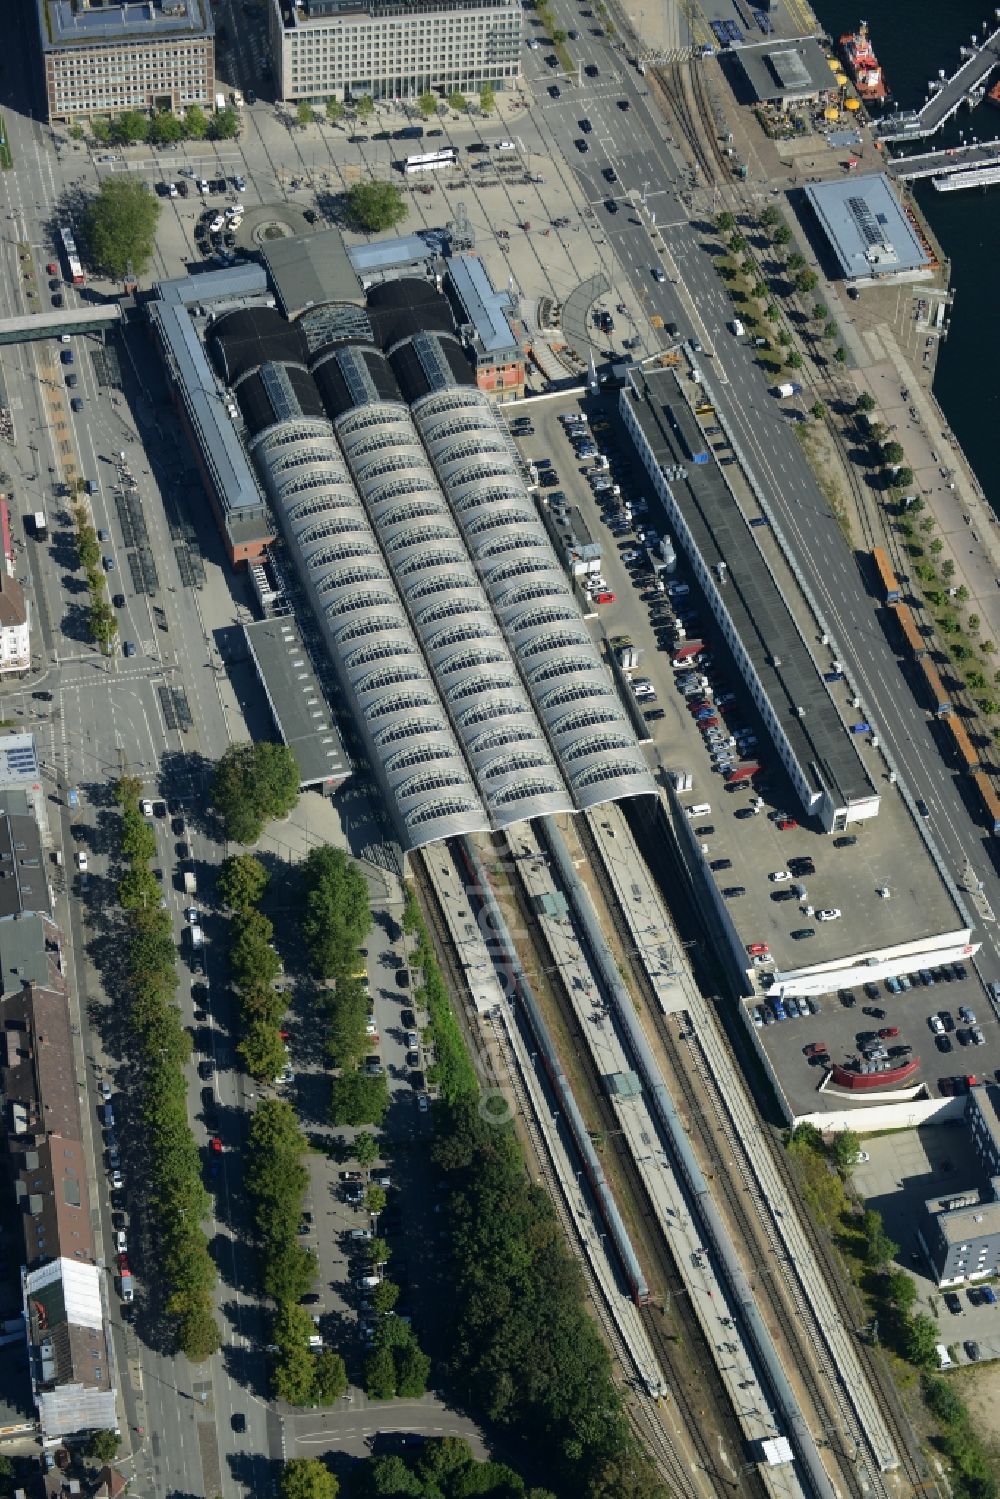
(253, 783)
(225, 126)
(304, 114)
(195, 123)
(375, 206)
(806, 281)
(375, 1200)
(336, 917)
(427, 104)
(103, 1446)
(121, 226)
(456, 101)
(131, 127)
(364, 107)
(487, 100)
(334, 110)
(726, 222)
(892, 452)
(242, 881)
(307, 1478)
(331, 1377)
(380, 1375)
(920, 1342)
(782, 234)
(165, 128)
(365, 1150)
(357, 1099)
(866, 401)
(904, 477)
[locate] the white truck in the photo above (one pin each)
(788, 388)
(190, 882)
(220, 103)
(38, 525)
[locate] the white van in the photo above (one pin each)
(737, 327)
(944, 1358)
(701, 809)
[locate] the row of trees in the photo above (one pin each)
(254, 783)
(178, 1200)
(524, 1350)
(451, 1072)
(101, 620)
(163, 128)
(444, 1468)
(254, 965)
(277, 1181)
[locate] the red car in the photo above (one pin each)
(708, 723)
(215, 1144)
(786, 823)
(604, 598)
(51, 269)
(816, 1048)
(757, 949)
(123, 1265)
(889, 1031)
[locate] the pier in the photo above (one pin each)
(947, 94)
(957, 161)
(975, 177)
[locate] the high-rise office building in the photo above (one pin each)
(104, 59)
(389, 49)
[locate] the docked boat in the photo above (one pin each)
(993, 97)
(862, 64)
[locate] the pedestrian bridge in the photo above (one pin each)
(36, 325)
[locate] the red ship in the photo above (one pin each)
(862, 64)
(993, 97)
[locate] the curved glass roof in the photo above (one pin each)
(464, 646)
(532, 598)
(412, 745)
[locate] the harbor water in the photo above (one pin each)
(913, 40)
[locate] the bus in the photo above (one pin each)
(73, 267)
(911, 634)
(431, 161)
(890, 588)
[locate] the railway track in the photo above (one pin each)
(670, 81)
(695, 1385)
(717, 1165)
(498, 1068)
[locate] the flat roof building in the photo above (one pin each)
(134, 54)
(338, 48)
(786, 72)
(767, 645)
(486, 324)
(301, 713)
(868, 231)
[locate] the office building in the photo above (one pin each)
(105, 59)
(347, 48)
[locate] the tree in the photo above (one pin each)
(456, 101)
(290, 1271)
(130, 128)
(364, 107)
(334, 110)
(782, 235)
(380, 1375)
(487, 100)
(412, 1368)
(818, 410)
(165, 128)
(794, 360)
(726, 222)
(103, 623)
(879, 1248)
(263, 1051)
(357, 1098)
(806, 280)
(375, 206)
(225, 126)
(375, 1197)
(365, 1150)
(198, 1332)
(242, 881)
(378, 1251)
(841, 355)
(121, 226)
(558, 37)
(384, 1296)
(796, 261)
(770, 216)
(331, 1377)
(904, 477)
(866, 401)
(195, 123)
(845, 1149)
(102, 131)
(428, 104)
(304, 114)
(307, 1478)
(920, 1341)
(103, 1446)
(892, 452)
(820, 311)
(830, 330)
(901, 1290)
(254, 783)
(137, 887)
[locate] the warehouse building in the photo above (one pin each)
(135, 54)
(350, 48)
(870, 235)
